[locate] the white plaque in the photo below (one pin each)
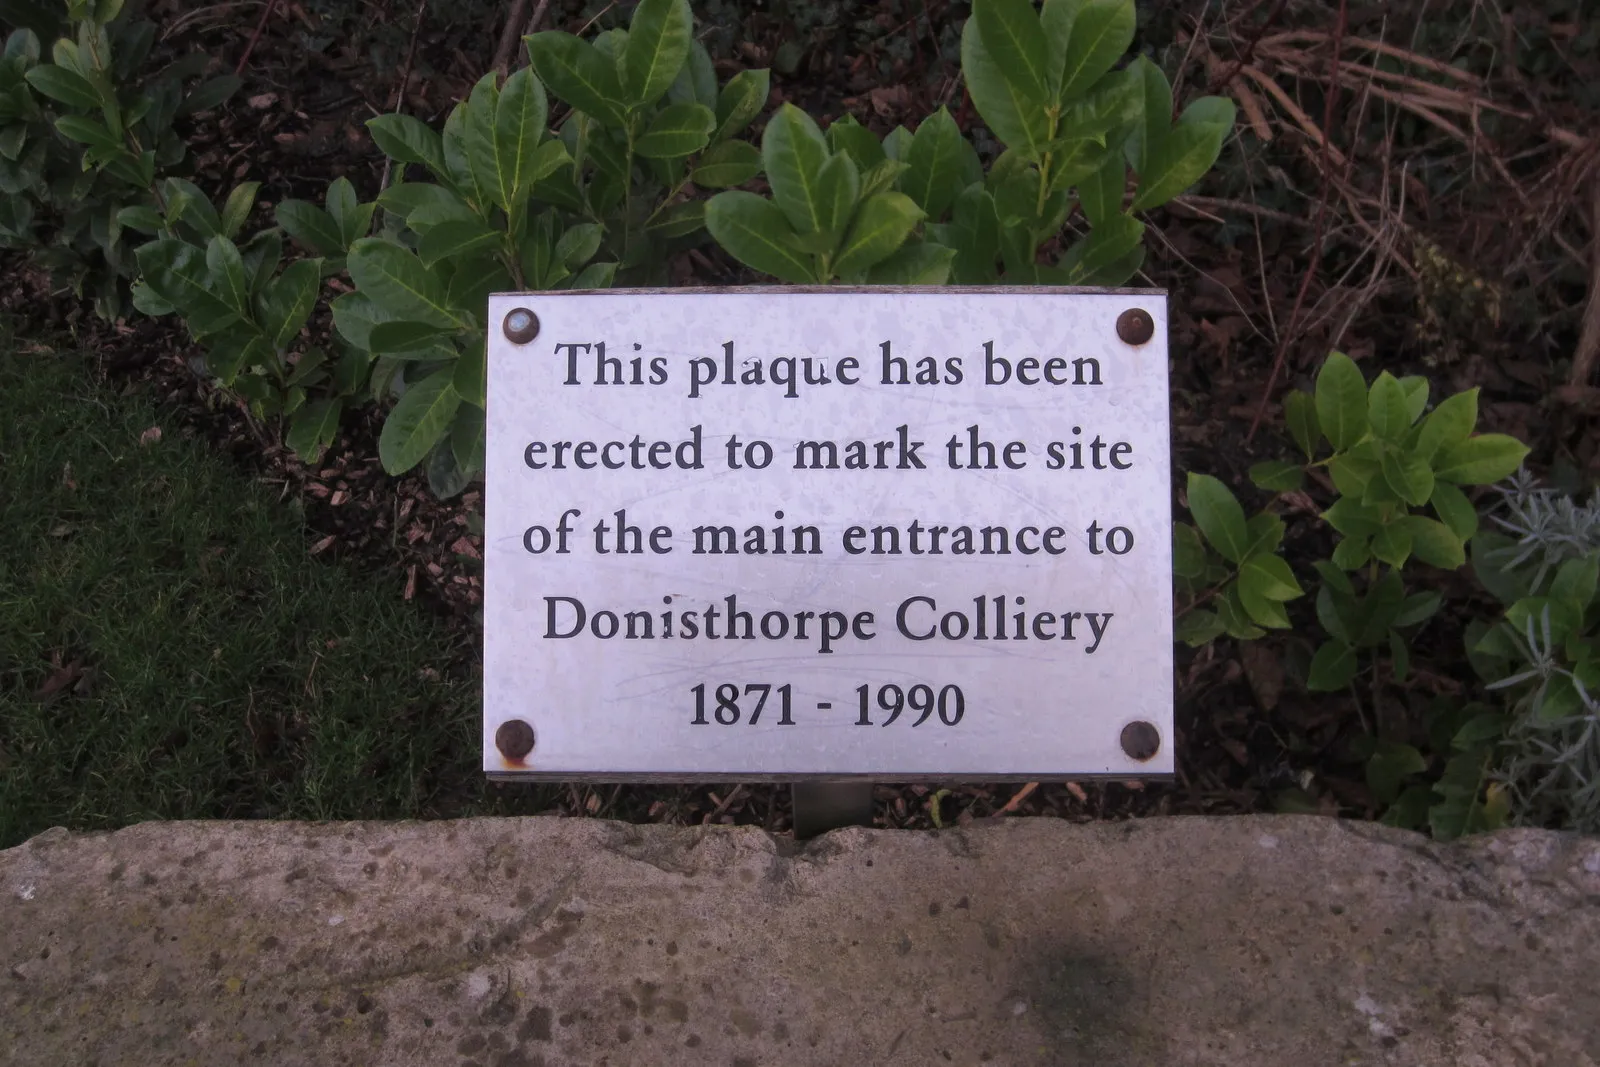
(782, 533)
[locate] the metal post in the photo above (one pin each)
(823, 806)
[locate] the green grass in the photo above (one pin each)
(225, 673)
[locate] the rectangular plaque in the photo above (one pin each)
(783, 533)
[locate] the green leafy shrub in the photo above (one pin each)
(647, 118)
(845, 206)
(1373, 456)
(1386, 459)
(421, 287)
(248, 313)
(84, 136)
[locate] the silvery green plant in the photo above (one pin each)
(1542, 562)
(647, 120)
(247, 308)
(84, 135)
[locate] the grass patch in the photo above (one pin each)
(169, 650)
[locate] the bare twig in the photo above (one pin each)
(250, 46)
(1248, 51)
(1583, 357)
(1016, 801)
(509, 37)
(1316, 239)
(400, 90)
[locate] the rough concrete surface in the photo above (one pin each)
(1185, 941)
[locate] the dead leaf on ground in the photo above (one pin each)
(1264, 672)
(150, 436)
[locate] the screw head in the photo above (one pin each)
(514, 739)
(521, 326)
(1140, 740)
(1135, 326)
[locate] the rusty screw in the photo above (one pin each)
(1135, 326)
(514, 739)
(1139, 740)
(521, 326)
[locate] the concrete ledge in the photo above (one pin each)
(496, 943)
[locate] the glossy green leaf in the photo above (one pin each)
(740, 101)
(519, 127)
(351, 217)
(580, 75)
(1262, 610)
(939, 164)
(227, 271)
(881, 225)
(1386, 408)
(696, 82)
(1198, 627)
(1409, 476)
(757, 233)
(1415, 386)
(418, 422)
(397, 280)
(405, 139)
(1300, 413)
(467, 438)
(1015, 41)
(1188, 552)
(1186, 153)
(596, 276)
(1100, 34)
(87, 131)
(1020, 120)
(1332, 668)
(678, 130)
(1481, 460)
(680, 220)
(1419, 608)
(727, 164)
(1451, 423)
(286, 303)
(310, 226)
(1341, 401)
(1235, 619)
(236, 209)
(1392, 543)
(1143, 146)
(64, 86)
(838, 187)
(472, 374)
(1278, 476)
(919, 263)
(793, 151)
(408, 340)
(1101, 192)
(141, 218)
(314, 427)
(1390, 764)
(455, 240)
(848, 135)
(210, 94)
(1218, 515)
(176, 271)
(658, 44)
(1434, 543)
(461, 132)
(1270, 577)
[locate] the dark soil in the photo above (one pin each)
(1389, 202)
